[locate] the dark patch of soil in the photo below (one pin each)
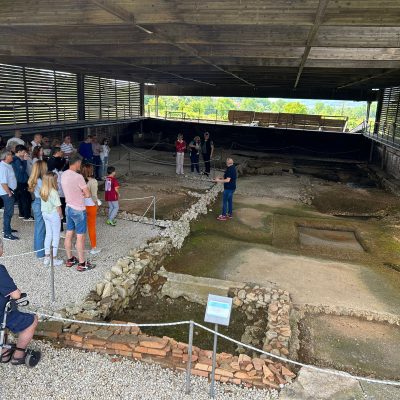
(152, 309)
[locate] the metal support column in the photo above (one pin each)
(80, 81)
(378, 112)
(367, 114)
(156, 97)
(141, 95)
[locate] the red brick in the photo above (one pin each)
(73, 344)
(186, 357)
(206, 361)
(157, 352)
(182, 346)
(76, 338)
(223, 372)
(140, 349)
(203, 367)
(154, 343)
(95, 341)
(200, 373)
(118, 346)
(249, 367)
(287, 372)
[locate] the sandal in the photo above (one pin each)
(19, 360)
(7, 355)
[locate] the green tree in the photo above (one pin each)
(295, 107)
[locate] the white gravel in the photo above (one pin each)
(70, 374)
(33, 277)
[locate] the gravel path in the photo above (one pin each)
(69, 374)
(33, 277)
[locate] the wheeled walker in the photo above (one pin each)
(32, 357)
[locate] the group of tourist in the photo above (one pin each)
(204, 146)
(59, 188)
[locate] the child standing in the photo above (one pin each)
(112, 196)
(52, 215)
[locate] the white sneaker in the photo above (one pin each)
(57, 262)
(95, 251)
(46, 260)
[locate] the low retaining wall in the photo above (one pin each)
(132, 343)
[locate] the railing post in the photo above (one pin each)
(50, 114)
(154, 211)
(64, 114)
(53, 294)
(214, 362)
(189, 364)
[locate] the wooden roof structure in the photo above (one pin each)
(274, 48)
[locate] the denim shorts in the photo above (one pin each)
(18, 321)
(76, 220)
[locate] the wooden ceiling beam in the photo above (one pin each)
(322, 6)
(368, 78)
(105, 5)
(96, 55)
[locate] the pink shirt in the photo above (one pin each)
(72, 185)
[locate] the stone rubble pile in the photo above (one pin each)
(132, 343)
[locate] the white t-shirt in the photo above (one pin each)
(14, 141)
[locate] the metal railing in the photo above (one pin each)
(222, 117)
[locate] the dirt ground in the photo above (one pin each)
(152, 173)
(351, 344)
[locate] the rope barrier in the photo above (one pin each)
(297, 363)
(161, 162)
(83, 322)
(23, 254)
(285, 360)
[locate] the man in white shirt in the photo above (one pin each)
(37, 140)
(16, 140)
(8, 184)
(66, 147)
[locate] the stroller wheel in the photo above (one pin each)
(32, 358)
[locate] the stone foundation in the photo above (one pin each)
(132, 343)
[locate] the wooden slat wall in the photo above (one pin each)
(41, 97)
(12, 96)
(110, 98)
(390, 115)
(67, 106)
(31, 95)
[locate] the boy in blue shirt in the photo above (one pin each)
(18, 322)
(229, 181)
